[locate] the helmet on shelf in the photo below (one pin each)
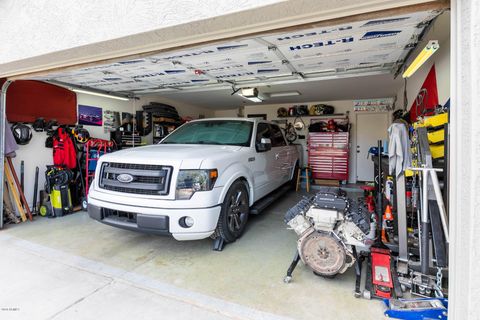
(39, 125)
(282, 112)
(22, 133)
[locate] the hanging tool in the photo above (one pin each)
(80, 176)
(35, 191)
(22, 196)
(22, 175)
(14, 192)
(379, 204)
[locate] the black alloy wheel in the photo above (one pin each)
(234, 215)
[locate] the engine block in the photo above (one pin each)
(329, 224)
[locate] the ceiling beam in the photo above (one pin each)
(280, 56)
(255, 83)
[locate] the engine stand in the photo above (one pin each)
(292, 267)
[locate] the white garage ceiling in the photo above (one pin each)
(275, 62)
(375, 86)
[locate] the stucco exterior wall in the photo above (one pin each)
(32, 28)
(464, 284)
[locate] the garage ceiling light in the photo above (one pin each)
(250, 94)
(283, 94)
(105, 95)
(253, 99)
(423, 56)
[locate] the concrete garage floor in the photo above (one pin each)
(75, 268)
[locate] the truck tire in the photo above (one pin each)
(234, 213)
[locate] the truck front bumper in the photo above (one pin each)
(162, 221)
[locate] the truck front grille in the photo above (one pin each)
(145, 179)
(130, 217)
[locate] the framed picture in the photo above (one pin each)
(89, 115)
(262, 116)
(111, 120)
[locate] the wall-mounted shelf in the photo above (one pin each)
(162, 128)
(316, 116)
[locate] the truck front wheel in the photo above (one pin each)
(234, 213)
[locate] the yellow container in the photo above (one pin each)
(436, 120)
(436, 136)
(432, 121)
(437, 151)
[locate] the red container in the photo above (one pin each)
(328, 154)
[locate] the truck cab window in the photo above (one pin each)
(263, 131)
(277, 137)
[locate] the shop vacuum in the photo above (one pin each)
(59, 200)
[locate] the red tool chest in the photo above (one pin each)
(328, 155)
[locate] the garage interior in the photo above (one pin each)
(292, 77)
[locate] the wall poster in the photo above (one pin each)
(90, 116)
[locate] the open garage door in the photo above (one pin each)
(376, 45)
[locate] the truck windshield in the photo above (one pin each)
(220, 132)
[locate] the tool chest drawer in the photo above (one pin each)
(328, 155)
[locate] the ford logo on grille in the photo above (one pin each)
(125, 178)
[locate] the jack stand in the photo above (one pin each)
(367, 293)
(292, 267)
(218, 244)
(397, 288)
(358, 271)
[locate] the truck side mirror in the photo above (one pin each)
(264, 145)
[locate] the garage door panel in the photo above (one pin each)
(377, 44)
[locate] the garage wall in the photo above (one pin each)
(35, 154)
(440, 31)
(341, 106)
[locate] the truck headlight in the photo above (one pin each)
(191, 181)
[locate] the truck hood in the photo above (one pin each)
(182, 156)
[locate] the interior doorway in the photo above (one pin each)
(370, 127)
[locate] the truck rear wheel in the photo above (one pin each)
(234, 214)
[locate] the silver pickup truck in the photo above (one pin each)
(198, 182)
